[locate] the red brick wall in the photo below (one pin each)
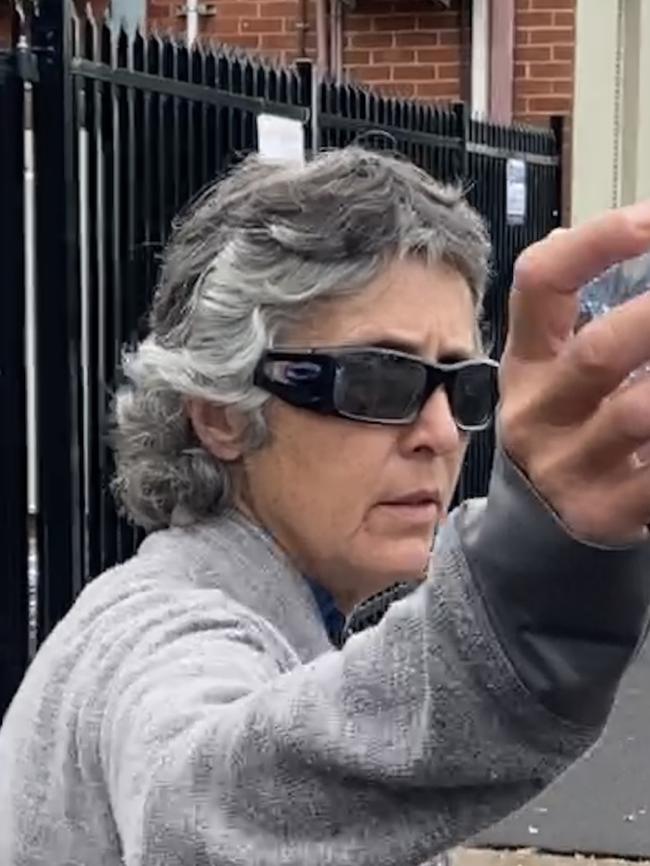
(267, 27)
(5, 24)
(405, 47)
(544, 71)
(544, 53)
(409, 48)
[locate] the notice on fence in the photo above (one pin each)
(280, 138)
(516, 192)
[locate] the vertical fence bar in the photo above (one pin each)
(203, 111)
(29, 249)
(89, 200)
(558, 124)
(115, 217)
(175, 103)
(193, 126)
(305, 73)
(162, 136)
(123, 244)
(104, 144)
(14, 623)
(212, 146)
(60, 494)
(131, 177)
(141, 181)
(461, 118)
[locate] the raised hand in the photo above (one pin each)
(565, 420)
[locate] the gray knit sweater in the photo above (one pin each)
(189, 709)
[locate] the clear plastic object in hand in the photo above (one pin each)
(620, 283)
(614, 286)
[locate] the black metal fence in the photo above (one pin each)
(127, 128)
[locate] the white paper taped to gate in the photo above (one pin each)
(516, 192)
(280, 138)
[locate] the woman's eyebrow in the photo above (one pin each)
(447, 354)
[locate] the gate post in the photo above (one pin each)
(14, 623)
(60, 446)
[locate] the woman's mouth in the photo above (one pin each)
(417, 507)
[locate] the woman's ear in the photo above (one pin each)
(220, 429)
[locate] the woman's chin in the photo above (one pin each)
(399, 562)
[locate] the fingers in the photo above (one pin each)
(619, 429)
(600, 358)
(544, 300)
(566, 417)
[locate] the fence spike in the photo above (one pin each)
(198, 49)
(76, 25)
(89, 12)
(154, 38)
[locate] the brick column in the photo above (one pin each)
(413, 52)
(544, 50)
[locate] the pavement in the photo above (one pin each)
(601, 805)
(530, 857)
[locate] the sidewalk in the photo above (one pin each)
(530, 857)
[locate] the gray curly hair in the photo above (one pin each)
(241, 264)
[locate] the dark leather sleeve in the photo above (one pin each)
(570, 615)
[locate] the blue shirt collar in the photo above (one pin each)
(333, 619)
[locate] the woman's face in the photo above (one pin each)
(328, 489)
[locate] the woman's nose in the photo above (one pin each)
(435, 428)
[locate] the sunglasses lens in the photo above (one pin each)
(379, 387)
(473, 396)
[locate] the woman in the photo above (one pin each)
(290, 433)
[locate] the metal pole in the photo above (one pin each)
(332, 37)
(192, 22)
(338, 56)
(479, 97)
(30, 298)
(321, 37)
(301, 29)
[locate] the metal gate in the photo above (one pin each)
(126, 129)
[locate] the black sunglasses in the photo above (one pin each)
(379, 386)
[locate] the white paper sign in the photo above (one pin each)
(516, 191)
(280, 138)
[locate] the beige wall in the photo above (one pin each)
(635, 168)
(594, 115)
(611, 134)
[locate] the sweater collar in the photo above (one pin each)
(331, 616)
(236, 556)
